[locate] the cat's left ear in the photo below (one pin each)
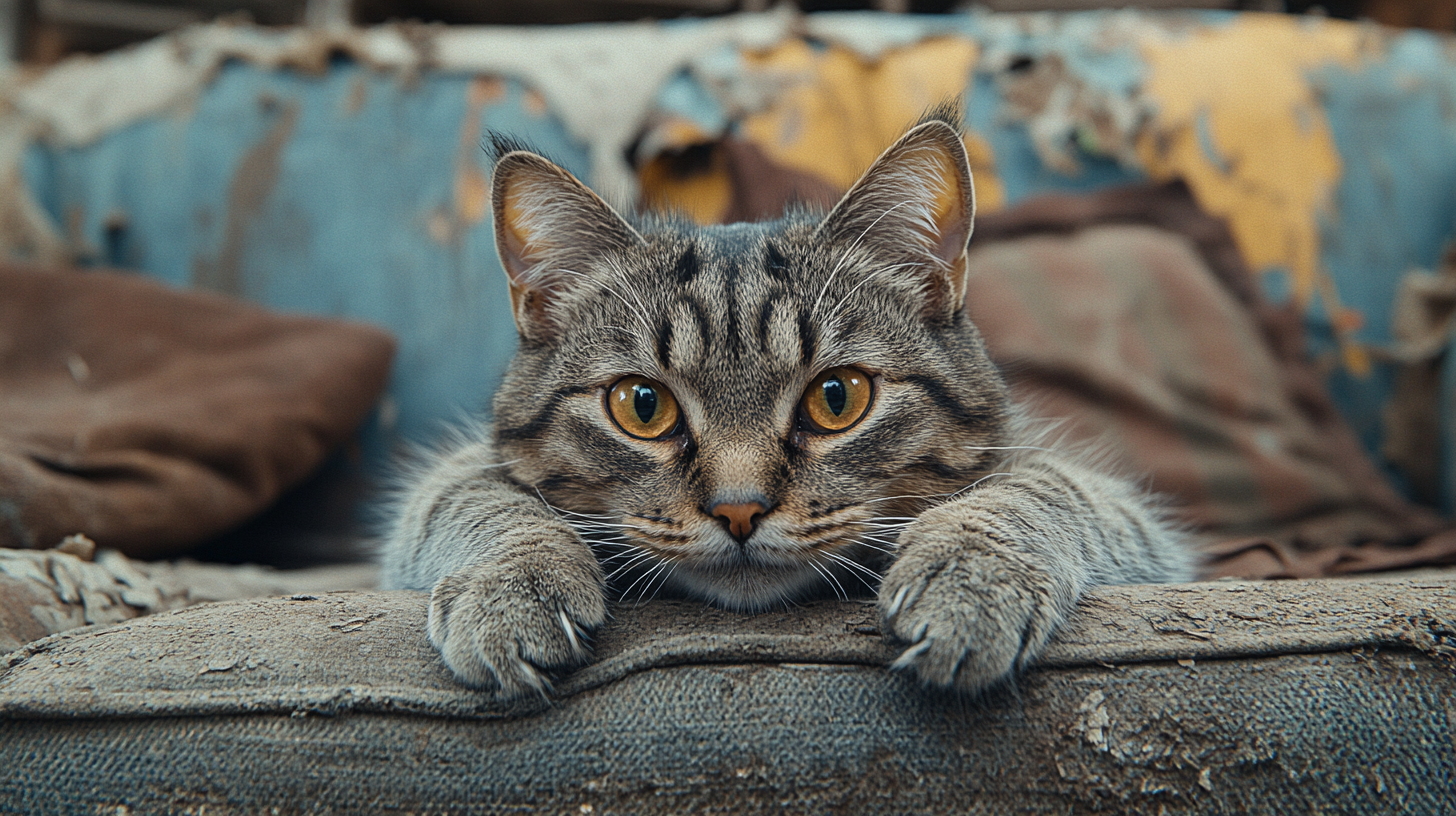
(551, 232)
(915, 205)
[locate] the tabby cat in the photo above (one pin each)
(755, 413)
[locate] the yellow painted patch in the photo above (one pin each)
(841, 111)
(485, 90)
(534, 102)
(1238, 119)
(472, 186)
(990, 192)
(472, 194)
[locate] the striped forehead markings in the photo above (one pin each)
(765, 314)
(808, 338)
(683, 335)
(733, 306)
(776, 262)
(784, 333)
(664, 343)
(686, 267)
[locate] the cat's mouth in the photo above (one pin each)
(785, 557)
(767, 570)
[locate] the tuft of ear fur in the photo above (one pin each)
(550, 231)
(915, 206)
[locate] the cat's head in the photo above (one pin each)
(744, 411)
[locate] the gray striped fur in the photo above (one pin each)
(984, 532)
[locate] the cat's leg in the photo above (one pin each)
(514, 591)
(982, 582)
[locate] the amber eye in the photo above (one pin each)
(642, 408)
(837, 399)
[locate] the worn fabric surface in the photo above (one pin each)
(43, 592)
(1226, 697)
(1129, 314)
(149, 418)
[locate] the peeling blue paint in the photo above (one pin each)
(1394, 123)
(345, 230)
(351, 227)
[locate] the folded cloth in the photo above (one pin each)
(1130, 314)
(149, 418)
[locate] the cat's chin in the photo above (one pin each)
(744, 588)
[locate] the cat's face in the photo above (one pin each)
(751, 411)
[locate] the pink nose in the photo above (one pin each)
(739, 517)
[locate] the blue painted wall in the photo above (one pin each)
(336, 194)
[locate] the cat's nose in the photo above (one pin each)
(738, 518)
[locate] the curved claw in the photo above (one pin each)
(895, 603)
(907, 658)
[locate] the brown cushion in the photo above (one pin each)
(149, 418)
(1130, 314)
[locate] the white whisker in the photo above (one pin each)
(651, 576)
(627, 284)
(977, 482)
(598, 516)
(856, 567)
(824, 570)
(624, 567)
(666, 576)
(838, 306)
(844, 258)
(628, 590)
(618, 295)
(926, 496)
(891, 547)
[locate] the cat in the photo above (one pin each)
(755, 413)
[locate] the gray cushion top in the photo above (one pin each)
(366, 651)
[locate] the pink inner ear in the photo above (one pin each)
(954, 231)
(948, 209)
(515, 234)
(512, 251)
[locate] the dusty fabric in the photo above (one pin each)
(148, 418)
(1130, 314)
(163, 664)
(1364, 733)
(43, 592)
(1221, 697)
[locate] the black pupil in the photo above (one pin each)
(644, 402)
(835, 395)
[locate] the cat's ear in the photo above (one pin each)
(915, 205)
(550, 230)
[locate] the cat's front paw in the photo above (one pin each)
(971, 612)
(508, 627)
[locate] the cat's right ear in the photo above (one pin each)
(914, 209)
(550, 230)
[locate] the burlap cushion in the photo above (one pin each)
(1287, 697)
(1130, 314)
(149, 418)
